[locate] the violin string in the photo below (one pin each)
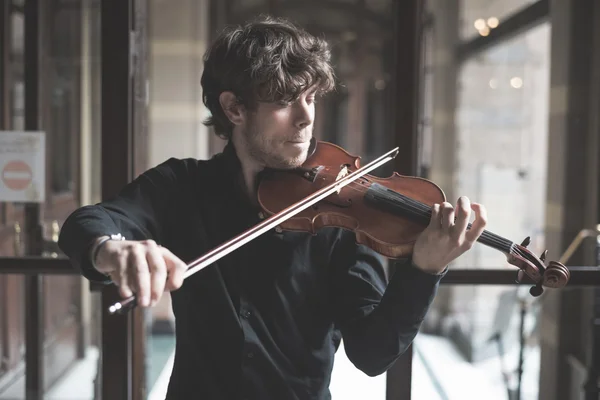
(423, 211)
(486, 237)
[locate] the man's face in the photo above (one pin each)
(277, 135)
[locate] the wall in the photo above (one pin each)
(179, 32)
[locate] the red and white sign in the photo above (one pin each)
(17, 175)
(22, 166)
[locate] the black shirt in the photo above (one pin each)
(263, 322)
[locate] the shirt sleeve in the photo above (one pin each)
(378, 319)
(137, 212)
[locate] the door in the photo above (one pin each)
(45, 74)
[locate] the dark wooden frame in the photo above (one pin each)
(123, 336)
(117, 354)
(34, 293)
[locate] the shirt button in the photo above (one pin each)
(246, 314)
(250, 354)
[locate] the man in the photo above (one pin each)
(263, 322)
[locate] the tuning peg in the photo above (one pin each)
(520, 275)
(526, 241)
(543, 255)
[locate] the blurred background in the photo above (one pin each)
(498, 100)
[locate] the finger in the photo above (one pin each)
(447, 215)
(158, 272)
(434, 221)
(138, 267)
(463, 213)
(175, 270)
(478, 224)
(121, 278)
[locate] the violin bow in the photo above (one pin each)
(266, 225)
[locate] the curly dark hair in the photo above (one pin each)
(266, 59)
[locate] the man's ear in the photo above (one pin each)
(232, 108)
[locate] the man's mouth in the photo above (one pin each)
(299, 140)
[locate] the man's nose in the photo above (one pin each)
(304, 114)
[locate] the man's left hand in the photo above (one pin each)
(447, 237)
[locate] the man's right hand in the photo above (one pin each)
(141, 267)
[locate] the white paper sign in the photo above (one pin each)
(22, 166)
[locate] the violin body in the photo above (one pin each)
(391, 234)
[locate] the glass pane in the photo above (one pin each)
(80, 380)
(427, 96)
(480, 17)
(12, 323)
(17, 38)
(16, 71)
(160, 348)
(476, 351)
(12, 317)
(501, 134)
(91, 161)
(63, 74)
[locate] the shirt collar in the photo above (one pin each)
(234, 180)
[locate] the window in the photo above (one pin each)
(501, 123)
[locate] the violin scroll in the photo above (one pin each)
(555, 275)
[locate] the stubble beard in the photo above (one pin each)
(266, 154)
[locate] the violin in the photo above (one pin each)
(331, 189)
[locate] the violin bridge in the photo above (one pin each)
(343, 172)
